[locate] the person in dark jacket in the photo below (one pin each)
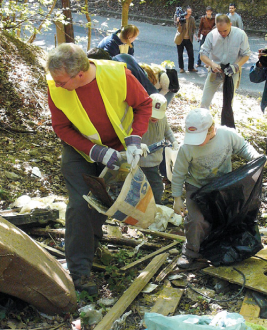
(121, 41)
(132, 65)
(258, 74)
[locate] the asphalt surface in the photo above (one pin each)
(155, 45)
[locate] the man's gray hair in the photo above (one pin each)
(222, 18)
(67, 57)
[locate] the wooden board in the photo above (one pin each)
(149, 256)
(168, 301)
(30, 273)
(249, 307)
(262, 253)
(132, 292)
(253, 268)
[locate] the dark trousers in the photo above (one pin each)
(153, 176)
(83, 224)
(201, 42)
(187, 44)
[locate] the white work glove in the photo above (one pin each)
(175, 145)
(134, 150)
(231, 69)
(178, 205)
(105, 155)
(145, 149)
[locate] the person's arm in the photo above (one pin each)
(168, 134)
(244, 51)
(200, 28)
(178, 178)
(65, 130)
(205, 52)
(242, 148)
(140, 101)
(179, 172)
(240, 23)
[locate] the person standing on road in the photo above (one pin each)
(207, 23)
(235, 19)
(120, 42)
(225, 51)
(186, 32)
(91, 103)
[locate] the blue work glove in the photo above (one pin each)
(231, 69)
(134, 150)
(105, 155)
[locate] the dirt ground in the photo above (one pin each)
(28, 142)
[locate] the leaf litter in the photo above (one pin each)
(29, 143)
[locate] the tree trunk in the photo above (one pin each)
(69, 27)
(125, 12)
(89, 24)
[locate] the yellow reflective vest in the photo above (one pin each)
(111, 81)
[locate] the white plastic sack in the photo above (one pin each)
(163, 216)
(223, 320)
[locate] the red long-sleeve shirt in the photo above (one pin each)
(93, 104)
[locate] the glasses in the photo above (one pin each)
(58, 84)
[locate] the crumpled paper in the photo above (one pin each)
(165, 215)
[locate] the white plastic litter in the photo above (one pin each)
(94, 316)
(26, 203)
(117, 324)
(163, 216)
(223, 320)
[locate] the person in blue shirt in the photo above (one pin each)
(121, 41)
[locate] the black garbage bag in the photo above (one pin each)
(230, 204)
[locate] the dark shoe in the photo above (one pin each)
(192, 70)
(84, 283)
(185, 261)
(182, 71)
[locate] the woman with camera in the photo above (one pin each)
(186, 27)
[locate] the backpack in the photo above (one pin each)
(173, 77)
(174, 82)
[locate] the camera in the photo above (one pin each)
(181, 14)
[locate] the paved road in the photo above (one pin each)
(155, 44)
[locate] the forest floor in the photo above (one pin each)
(30, 165)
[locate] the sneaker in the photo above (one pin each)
(192, 70)
(84, 283)
(199, 66)
(182, 71)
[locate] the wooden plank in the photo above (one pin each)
(249, 307)
(132, 292)
(50, 249)
(262, 253)
(255, 320)
(253, 268)
(167, 301)
(167, 270)
(149, 256)
(161, 234)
